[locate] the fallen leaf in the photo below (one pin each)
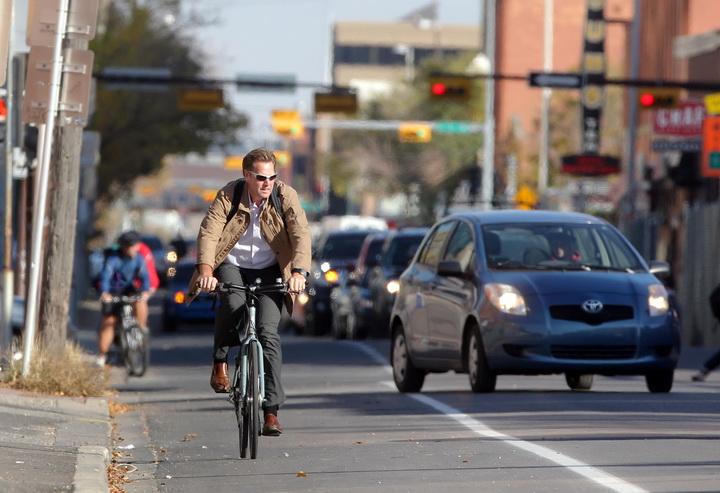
(300, 474)
(189, 437)
(359, 443)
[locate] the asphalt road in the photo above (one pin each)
(348, 429)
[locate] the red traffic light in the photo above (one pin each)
(438, 89)
(647, 99)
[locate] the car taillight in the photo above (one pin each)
(179, 297)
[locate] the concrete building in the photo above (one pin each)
(371, 56)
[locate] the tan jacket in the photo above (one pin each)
(218, 234)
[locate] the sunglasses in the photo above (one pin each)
(260, 177)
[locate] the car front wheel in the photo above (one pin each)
(577, 381)
(660, 381)
(407, 377)
(481, 378)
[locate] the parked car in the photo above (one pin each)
(336, 252)
(397, 252)
(350, 299)
(532, 292)
(174, 309)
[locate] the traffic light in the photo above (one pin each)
(288, 123)
(658, 97)
(415, 132)
(450, 87)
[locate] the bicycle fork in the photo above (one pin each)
(243, 369)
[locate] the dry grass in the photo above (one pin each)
(68, 372)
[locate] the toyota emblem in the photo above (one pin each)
(592, 306)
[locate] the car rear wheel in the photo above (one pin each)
(660, 381)
(407, 377)
(481, 378)
(578, 381)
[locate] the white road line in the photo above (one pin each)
(592, 473)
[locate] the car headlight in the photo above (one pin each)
(325, 266)
(658, 302)
(393, 286)
(171, 256)
(303, 298)
(332, 276)
(506, 298)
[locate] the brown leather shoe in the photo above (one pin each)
(272, 427)
(219, 378)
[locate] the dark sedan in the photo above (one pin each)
(337, 252)
(536, 292)
(398, 250)
(350, 301)
(175, 311)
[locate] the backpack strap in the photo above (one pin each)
(236, 198)
(277, 203)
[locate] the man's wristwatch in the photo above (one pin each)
(303, 273)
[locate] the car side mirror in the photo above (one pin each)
(660, 269)
(450, 268)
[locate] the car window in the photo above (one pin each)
(153, 242)
(401, 250)
(557, 246)
(342, 246)
(461, 246)
(433, 248)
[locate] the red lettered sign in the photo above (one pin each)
(684, 121)
(590, 165)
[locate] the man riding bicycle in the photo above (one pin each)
(118, 278)
(254, 229)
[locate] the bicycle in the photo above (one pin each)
(248, 394)
(134, 340)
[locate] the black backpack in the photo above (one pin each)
(237, 197)
(715, 302)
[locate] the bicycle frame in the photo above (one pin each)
(242, 368)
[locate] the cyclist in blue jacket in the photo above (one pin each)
(117, 279)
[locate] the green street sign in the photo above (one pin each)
(715, 160)
(452, 127)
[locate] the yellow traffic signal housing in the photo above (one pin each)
(287, 123)
(658, 97)
(415, 132)
(450, 87)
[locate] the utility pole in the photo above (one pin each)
(488, 163)
(632, 106)
(62, 222)
(7, 188)
(543, 161)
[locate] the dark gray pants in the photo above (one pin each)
(230, 319)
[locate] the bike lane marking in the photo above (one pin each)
(592, 473)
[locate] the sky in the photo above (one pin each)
(293, 37)
(251, 37)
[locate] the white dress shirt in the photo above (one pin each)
(252, 251)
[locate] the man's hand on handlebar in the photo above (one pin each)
(206, 282)
(296, 284)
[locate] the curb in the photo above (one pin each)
(90, 469)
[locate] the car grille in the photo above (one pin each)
(575, 313)
(593, 352)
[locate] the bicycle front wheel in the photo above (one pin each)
(254, 426)
(136, 350)
(240, 411)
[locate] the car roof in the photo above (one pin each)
(349, 232)
(519, 216)
(409, 232)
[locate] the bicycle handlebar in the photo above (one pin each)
(278, 287)
(126, 299)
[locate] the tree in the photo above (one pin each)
(139, 128)
(377, 162)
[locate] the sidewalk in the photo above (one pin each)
(52, 443)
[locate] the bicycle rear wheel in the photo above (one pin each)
(253, 398)
(135, 350)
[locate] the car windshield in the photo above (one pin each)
(401, 251)
(588, 247)
(342, 246)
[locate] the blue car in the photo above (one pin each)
(532, 292)
(175, 310)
